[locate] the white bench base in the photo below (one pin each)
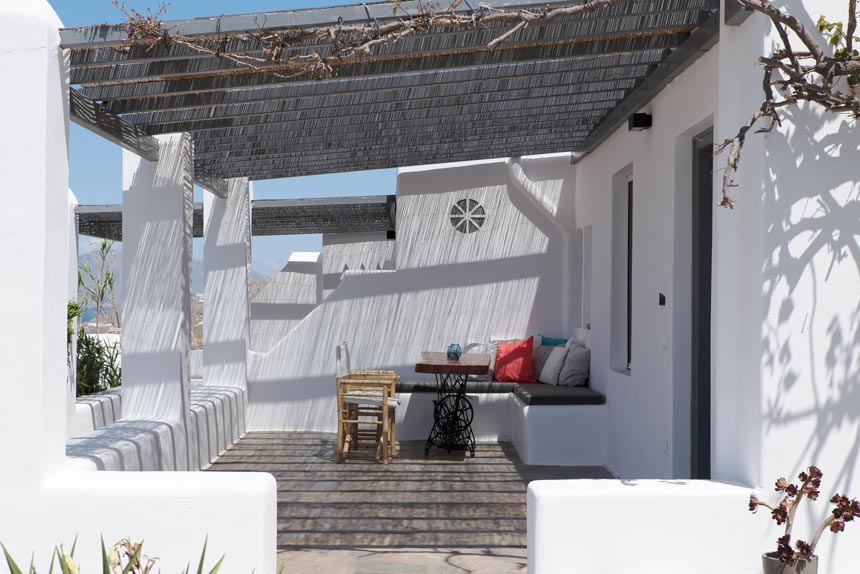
(109, 442)
(492, 422)
(560, 435)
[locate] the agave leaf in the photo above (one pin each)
(74, 545)
(217, 565)
(64, 564)
(203, 555)
(133, 559)
(32, 569)
(105, 562)
(13, 568)
(53, 559)
(187, 568)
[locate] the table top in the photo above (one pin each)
(440, 364)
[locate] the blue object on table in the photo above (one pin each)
(454, 352)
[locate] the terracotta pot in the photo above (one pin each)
(770, 564)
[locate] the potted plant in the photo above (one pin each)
(801, 558)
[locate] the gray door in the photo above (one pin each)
(703, 209)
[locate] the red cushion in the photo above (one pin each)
(514, 362)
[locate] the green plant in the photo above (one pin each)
(97, 365)
(97, 284)
(74, 311)
(124, 557)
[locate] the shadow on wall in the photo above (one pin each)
(505, 280)
(810, 278)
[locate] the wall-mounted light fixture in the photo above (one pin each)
(639, 122)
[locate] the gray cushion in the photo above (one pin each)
(474, 387)
(538, 394)
(576, 367)
(539, 359)
(550, 370)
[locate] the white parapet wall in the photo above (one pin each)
(507, 279)
(641, 527)
(354, 251)
(286, 300)
(172, 512)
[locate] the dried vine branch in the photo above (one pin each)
(792, 76)
(349, 43)
(823, 75)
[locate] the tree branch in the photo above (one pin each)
(801, 80)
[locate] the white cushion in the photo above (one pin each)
(370, 401)
(548, 368)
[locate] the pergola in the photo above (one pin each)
(271, 217)
(439, 96)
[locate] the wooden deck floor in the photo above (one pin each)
(438, 514)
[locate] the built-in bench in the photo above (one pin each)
(549, 425)
(103, 440)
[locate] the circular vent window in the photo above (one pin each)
(467, 216)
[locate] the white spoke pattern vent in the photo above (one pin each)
(467, 216)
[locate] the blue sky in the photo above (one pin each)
(95, 165)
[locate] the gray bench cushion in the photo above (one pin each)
(474, 387)
(538, 394)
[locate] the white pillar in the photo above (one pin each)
(72, 294)
(33, 243)
(156, 229)
(226, 260)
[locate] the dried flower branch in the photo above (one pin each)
(349, 43)
(792, 76)
(845, 510)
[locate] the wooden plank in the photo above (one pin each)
(440, 364)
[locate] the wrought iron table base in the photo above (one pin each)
(452, 416)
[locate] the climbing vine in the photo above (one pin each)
(800, 69)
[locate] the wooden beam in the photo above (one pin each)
(216, 185)
(735, 13)
(96, 118)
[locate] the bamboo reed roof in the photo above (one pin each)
(434, 97)
(373, 213)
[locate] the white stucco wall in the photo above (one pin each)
(171, 512)
(786, 270)
(286, 300)
(646, 434)
(786, 279)
(34, 236)
(506, 280)
(42, 503)
(354, 251)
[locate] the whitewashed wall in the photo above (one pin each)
(786, 284)
(286, 300)
(507, 280)
(42, 502)
(649, 408)
(786, 273)
(354, 251)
